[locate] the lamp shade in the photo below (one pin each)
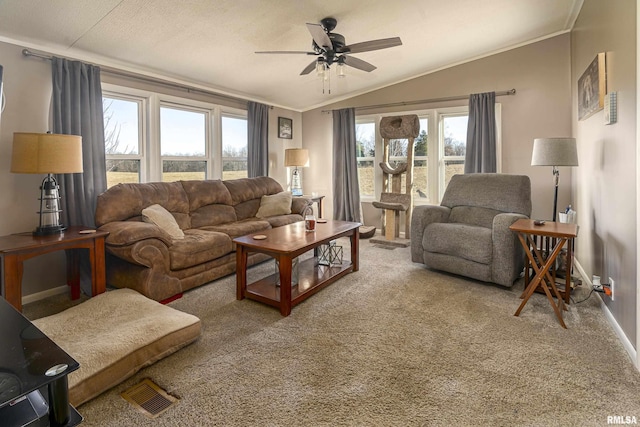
(46, 153)
(554, 152)
(296, 157)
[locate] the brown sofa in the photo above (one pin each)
(145, 257)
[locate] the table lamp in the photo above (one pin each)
(47, 153)
(296, 157)
(554, 152)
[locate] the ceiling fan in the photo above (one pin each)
(331, 48)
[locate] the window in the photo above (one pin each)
(420, 161)
(366, 147)
(443, 133)
(183, 144)
(454, 142)
(155, 137)
(123, 138)
(234, 147)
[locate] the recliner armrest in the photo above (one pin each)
(506, 248)
(421, 217)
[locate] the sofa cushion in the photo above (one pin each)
(246, 193)
(280, 220)
(126, 201)
(156, 214)
(461, 240)
(240, 228)
(275, 204)
(474, 215)
(207, 192)
(198, 246)
(506, 193)
(212, 215)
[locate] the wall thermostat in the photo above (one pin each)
(610, 108)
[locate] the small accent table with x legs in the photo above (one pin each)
(559, 234)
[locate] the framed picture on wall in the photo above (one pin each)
(285, 128)
(592, 87)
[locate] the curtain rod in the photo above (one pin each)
(147, 79)
(425, 101)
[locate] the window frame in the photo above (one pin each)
(435, 144)
(163, 103)
(232, 114)
(142, 102)
(150, 156)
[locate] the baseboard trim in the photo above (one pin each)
(612, 320)
(44, 294)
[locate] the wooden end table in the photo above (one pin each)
(559, 234)
(284, 244)
(317, 200)
(16, 248)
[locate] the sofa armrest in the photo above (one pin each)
(508, 254)
(420, 218)
(125, 233)
(299, 204)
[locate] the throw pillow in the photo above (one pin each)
(276, 204)
(156, 214)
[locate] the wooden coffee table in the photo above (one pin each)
(284, 244)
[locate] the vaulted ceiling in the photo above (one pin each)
(212, 43)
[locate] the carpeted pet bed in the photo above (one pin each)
(114, 335)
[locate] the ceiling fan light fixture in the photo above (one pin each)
(320, 67)
(341, 68)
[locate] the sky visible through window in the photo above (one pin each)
(456, 128)
(182, 130)
(121, 117)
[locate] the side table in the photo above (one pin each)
(560, 234)
(16, 248)
(318, 201)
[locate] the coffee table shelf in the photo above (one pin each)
(284, 244)
(311, 279)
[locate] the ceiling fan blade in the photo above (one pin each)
(320, 36)
(309, 68)
(295, 52)
(373, 45)
(359, 64)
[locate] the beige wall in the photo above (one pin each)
(605, 183)
(27, 85)
(540, 73)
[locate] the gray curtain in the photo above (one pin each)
(258, 144)
(77, 110)
(481, 134)
(346, 192)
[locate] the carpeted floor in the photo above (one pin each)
(391, 345)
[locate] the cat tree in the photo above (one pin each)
(392, 199)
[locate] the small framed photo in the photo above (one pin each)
(285, 128)
(592, 87)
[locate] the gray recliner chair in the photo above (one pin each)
(468, 234)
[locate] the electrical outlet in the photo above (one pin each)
(613, 289)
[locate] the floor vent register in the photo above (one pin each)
(149, 398)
